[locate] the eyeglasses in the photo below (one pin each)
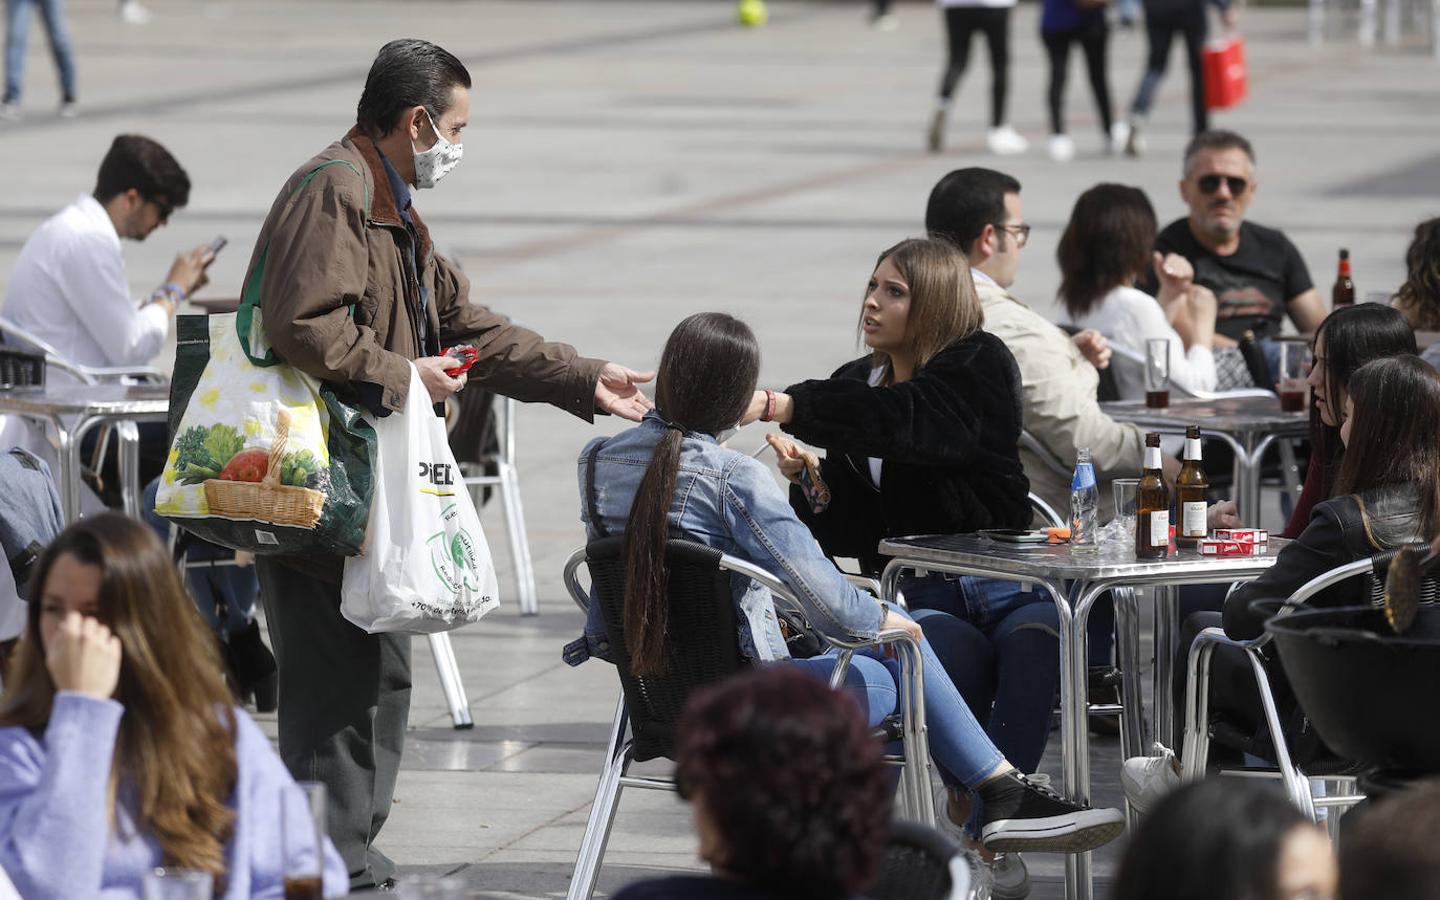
(1209, 184)
(163, 206)
(1021, 232)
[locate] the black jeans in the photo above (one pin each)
(1161, 26)
(961, 22)
(1094, 40)
(344, 705)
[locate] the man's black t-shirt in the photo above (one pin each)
(1252, 285)
(693, 887)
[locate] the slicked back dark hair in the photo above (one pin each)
(135, 161)
(407, 73)
(965, 201)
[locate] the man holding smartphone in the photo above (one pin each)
(69, 287)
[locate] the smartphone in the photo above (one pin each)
(1013, 536)
(814, 488)
(218, 244)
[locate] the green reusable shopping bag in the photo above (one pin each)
(263, 457)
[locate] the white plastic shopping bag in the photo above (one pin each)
(426, 566)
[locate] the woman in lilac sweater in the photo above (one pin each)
(120, 749)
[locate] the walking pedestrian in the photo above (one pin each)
(1164, 19)
(1067, 22)
(962, 19)
(17, 33)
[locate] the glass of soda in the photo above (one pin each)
(302, 836)
(1295, 362)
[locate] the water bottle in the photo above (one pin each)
(1084, 502)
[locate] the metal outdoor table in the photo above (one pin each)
(1248, 424)
(1074, 583)
(87, 406)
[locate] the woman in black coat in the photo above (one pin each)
(922, 437)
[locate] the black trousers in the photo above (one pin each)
(344, 705)
(1094, 40)
(961, 23)
(1161, 27)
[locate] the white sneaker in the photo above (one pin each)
(1062, 148)
(885, 22)
(68, 110)
(1119, 137)
(1011, 878)
(132, 13)
(10, 111)
(1005, 141)
(1146, 779)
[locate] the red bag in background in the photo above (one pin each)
(1225, 78)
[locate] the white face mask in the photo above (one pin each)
(434, 164)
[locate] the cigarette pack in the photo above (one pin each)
(1253, 535)
(1230, 548)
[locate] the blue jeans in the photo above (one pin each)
(17, 28)
(1001, 648)
(959, 746)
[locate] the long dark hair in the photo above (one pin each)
(1419, 297)
(706, 377)
(1353, 336)
(176, 746)
(1211, 839)
(1393, 440)
(1107, 243)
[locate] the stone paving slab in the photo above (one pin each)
(629, 163)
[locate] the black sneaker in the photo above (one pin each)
(1020, 815)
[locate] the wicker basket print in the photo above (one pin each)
(267, 500)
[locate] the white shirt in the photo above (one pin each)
(68, 289)
(1128, 318)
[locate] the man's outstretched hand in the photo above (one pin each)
(616, 392)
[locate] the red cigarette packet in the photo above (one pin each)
(1230, 548)
(1253, 535)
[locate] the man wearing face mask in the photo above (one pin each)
(352, 292)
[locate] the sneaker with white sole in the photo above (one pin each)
(10, 111)
(1146, 779)
(1119, 137)
(1021, 815)
(1011, 879)
(132, 13)
(1005, 141)
(1061, 148)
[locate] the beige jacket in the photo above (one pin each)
(1061, 411)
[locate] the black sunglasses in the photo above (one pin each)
(165, 207)
(1209, 184)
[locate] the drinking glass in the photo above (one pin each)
(302, 836)
(1125, 490)
(177, 884)
(1295, 362)
(1157, 373)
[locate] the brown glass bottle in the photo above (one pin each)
(1343, 293)
(1152, 506)
(1190, 487)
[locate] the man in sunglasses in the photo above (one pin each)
(1256, 273)
(69, 287)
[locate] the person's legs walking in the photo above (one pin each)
(344, 702)
(61, 48)
(959, 27)
(1095, 41)
(1160, 28)
(17, 29)
(1057, 48)
(1002, 138)
(1195, 28)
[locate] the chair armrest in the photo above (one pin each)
(1218, 636)
(572, 582)
(1235, 394)
(144, 374)
(864, 583)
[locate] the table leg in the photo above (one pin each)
(1166, 636)
(1074, 724)
(1253, 456)
(1127, 620)
(68, 443)
(128, 448)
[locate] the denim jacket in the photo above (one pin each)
(729, 501)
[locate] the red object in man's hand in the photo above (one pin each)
(465, 356)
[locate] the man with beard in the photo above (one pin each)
(1255, 272)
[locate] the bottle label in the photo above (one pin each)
(1192, 448)
(1160, 528)
(1152, 457)
(1193, 523)
(1084, 477)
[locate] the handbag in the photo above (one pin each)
(263, 457)
(1226, 81)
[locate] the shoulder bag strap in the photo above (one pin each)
(590, 497)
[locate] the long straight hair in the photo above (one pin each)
(944, 307)
(1393, 440)
(706, 377)
(176, 745)
(1352, 336)
(1107, 242)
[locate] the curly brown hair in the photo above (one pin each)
(1419, 297)
(784, 770)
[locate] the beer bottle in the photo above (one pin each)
(1190, 487)
(1152, 506)
(1344, 292)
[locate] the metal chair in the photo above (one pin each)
(505, 476)
(920, 863)
(702, 649)
(1298, 785)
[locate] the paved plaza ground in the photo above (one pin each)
(628, 164)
